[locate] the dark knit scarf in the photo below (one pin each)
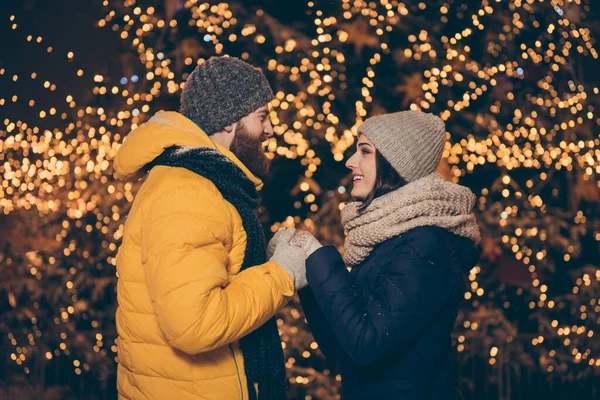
(263, 355)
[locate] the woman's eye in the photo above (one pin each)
(364, 151)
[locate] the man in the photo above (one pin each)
(196, 293)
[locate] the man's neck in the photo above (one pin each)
(223, 138)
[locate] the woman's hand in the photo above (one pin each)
(307, 242)
(304, 240)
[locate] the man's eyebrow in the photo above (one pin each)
(263, 111)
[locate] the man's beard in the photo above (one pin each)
(250, 152)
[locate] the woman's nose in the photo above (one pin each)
(350, 164)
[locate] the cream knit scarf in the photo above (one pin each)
(429, 201)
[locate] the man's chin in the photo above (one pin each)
(259, 164)
(251, 153)
(262, 171)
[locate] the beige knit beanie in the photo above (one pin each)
(411, 141)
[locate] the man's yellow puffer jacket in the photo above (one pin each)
(182, 302)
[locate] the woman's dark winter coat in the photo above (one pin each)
(388, 321)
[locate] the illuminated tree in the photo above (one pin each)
(510, 78)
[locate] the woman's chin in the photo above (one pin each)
(358, 195)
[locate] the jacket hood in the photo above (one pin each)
(163, 130)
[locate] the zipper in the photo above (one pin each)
(238, 371)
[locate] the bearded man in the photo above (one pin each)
(196, 290)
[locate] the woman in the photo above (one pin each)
(411, 239)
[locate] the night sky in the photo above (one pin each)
(68, 25)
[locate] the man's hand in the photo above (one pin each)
(291, 258)
(283, 233)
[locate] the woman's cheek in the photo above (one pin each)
(371, 183)
(369, 172)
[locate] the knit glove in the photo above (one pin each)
(306, 241)
(291, 258)
(281, 233)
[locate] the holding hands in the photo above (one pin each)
(290, 250)
(307, 242)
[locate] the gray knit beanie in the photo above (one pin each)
(411, 141)
(222, 91)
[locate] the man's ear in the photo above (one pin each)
(231, 129)
(226, 135)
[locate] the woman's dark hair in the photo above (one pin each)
(387, 180)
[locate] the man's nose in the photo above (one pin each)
(269, 130)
